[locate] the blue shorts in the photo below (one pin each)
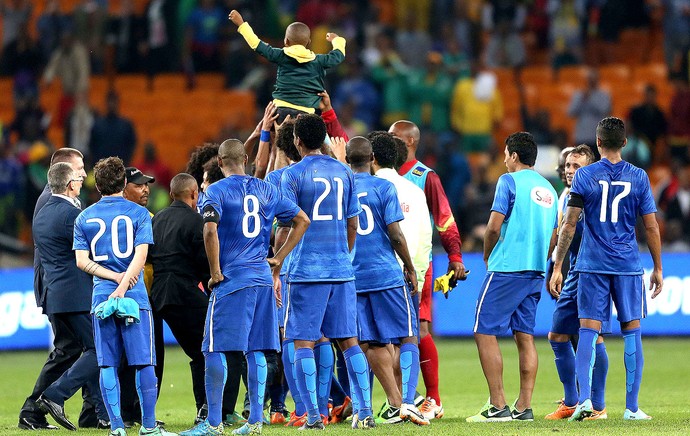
(596, 291)
(386, 314)
(565, 319)
(315, 310)
(113, 337)
(508, 300)
(244, 320)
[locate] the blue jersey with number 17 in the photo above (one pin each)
(614, 195)
(376, 267)
(110, 230)
(245, 207)
(325, 190)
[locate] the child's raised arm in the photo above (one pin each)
(272, 54)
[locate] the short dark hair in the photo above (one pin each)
(110, 175)
(524, 145)
(311, 130)
(65, 154)
(584, 150)
(384, 148)
(401, 149)
(285, 141)
(611, 132)
(200, 156)
(213, 171)
(181, 184)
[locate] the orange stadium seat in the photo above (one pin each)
(653, 72)
(574, 75)
(537, 74)
(614, 73)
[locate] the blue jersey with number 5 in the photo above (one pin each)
(614, 195)
(325, 190)
(110, 230)
(246, 207)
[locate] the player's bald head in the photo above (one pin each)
(405, 130)
(298, 34)
(182, 186)
(359, 151)
(231, 151)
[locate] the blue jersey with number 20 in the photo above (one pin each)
(110, 230)
(614, 195)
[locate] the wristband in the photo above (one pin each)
(265, 136)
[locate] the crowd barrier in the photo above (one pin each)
(23, 326)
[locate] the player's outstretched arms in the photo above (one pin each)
(263, 154)
(300, 224)
(651, 226)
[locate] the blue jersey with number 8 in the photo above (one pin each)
(246, 207)
(325, 190)
(110, 230)
(614, 195)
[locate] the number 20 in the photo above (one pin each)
(114, 237)
(616, 200)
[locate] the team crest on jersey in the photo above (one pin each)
(418, 171)
(542, 196)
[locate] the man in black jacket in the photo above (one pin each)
(67, 299)
(179, 266)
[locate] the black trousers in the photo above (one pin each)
(68, 348)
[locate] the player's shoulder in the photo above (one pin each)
(419, 169)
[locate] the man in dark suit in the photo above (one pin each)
(179, 264)
(67, 298)
(66, 346)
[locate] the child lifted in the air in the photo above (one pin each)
(301, 72)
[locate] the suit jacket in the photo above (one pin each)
(178, 257)
(39, 289)
(67, 288)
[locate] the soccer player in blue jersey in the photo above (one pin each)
(321, 278)
(111, 240)
(238, 214)
(565, 323)
(612, 193)
(385, 309)
(517, 242)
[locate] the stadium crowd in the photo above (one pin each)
(429, 61)
(311, 240)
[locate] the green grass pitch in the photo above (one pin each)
(665, 393)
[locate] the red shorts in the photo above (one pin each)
(425, 299)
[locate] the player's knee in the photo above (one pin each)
(630, 325)
(558, 337)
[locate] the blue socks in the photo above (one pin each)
(409, 366)
(599, 373)
(257, 371)
(358, 371)
(565, 366)
(289, 370)
(305, 375)
(147, 388)
(323, 353)
(341, 372)
(584, 362)
(110, 390)
(634, 362)
(216, 375)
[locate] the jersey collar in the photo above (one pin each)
(407, 166)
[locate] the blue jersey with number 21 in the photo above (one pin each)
(614, 195)
(325, 190)
(110, 230)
